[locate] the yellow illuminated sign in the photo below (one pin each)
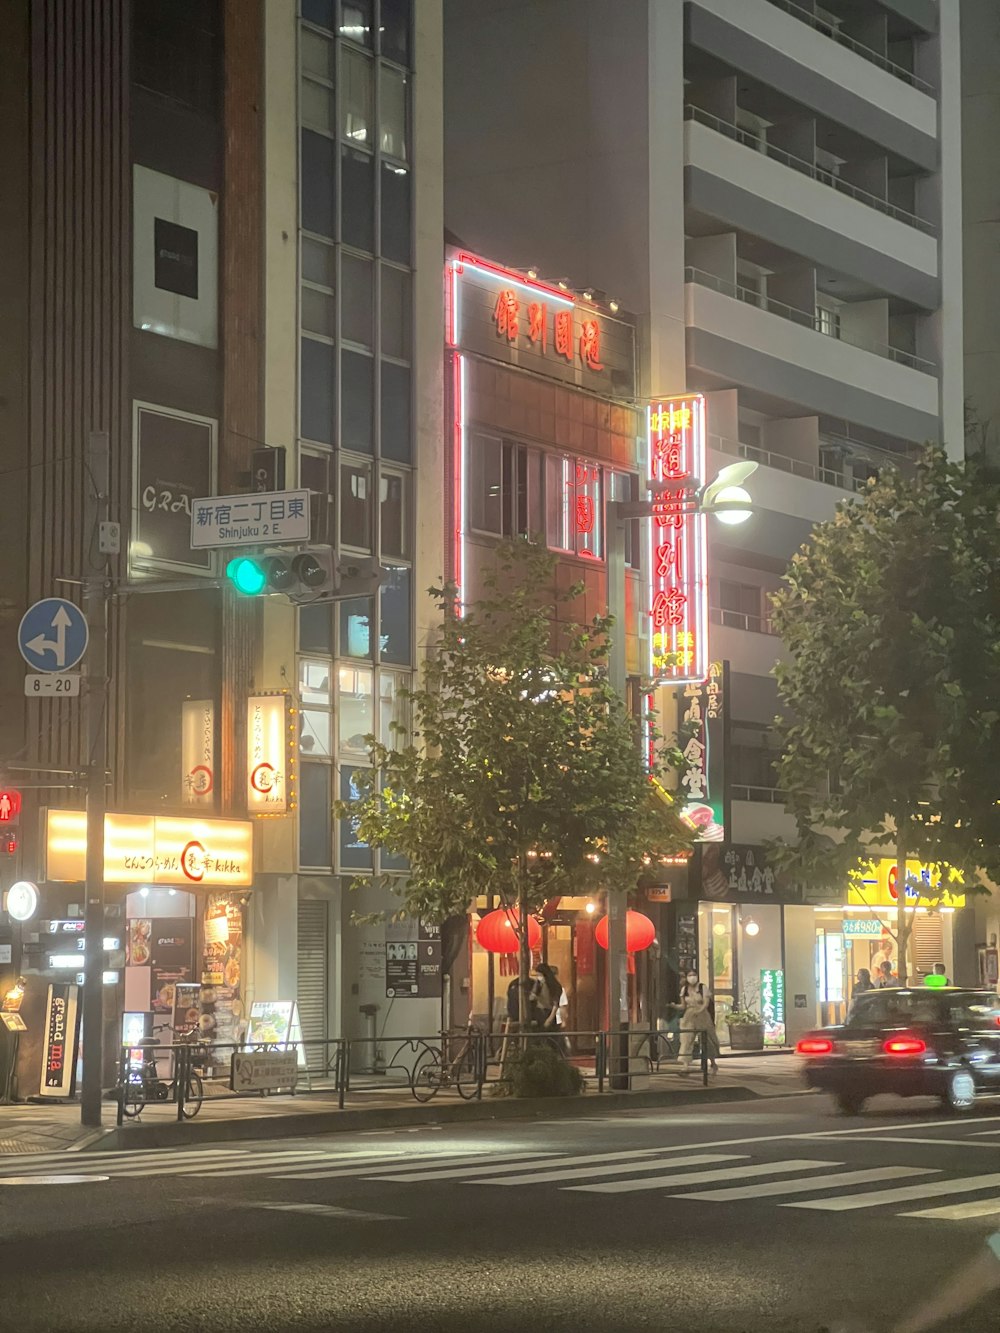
(153, 849)
(270, 750)
(875, 885)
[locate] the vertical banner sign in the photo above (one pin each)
(678, 592)
(701, 728)
(59, 1041)
(268, 760)
(772, 1005)
(198, 752)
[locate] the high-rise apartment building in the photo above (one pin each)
(773, 189)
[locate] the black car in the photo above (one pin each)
(913, 1042)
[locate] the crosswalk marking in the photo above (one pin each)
(702, 1177)
(769, 1188)
(616, 1169)
(370, 1169)
(930, 1189)
(958, 1212)
(458, 1172)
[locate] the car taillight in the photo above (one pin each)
(814, 1046)
(904, 1046)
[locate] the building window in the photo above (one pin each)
(392, 112)
(356, 303)
(395, 30)
(356, 21)
(315, 816)
(355, 707)
(318, 183)
(393, 515)
(396, 618)
(356, 616)
(356, 96)
(625, 487)
(395, 213)
(754, 753)
(357, 391)
(574, 507)
(356, 506)
(395, 418)
(505, 484)
(739, 604)
(828, 321)
(316, 475)
(393, 709)
(395, 312)
(316, 372)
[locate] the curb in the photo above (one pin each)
(173, 1134)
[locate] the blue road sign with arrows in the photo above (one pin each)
(53, 635)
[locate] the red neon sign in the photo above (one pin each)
(678, 593)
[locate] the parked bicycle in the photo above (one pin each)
(458, 1065)
(142, 1083)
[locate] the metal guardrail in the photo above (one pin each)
(740, 620)
(800, 164)
(804, 318)
(763, 795)
(866, 52)
(797, 467)
(181, 1078)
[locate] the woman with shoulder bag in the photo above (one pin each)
(698, 1016)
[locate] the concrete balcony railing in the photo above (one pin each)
(859, 48)
(738, 620)
(816, 173)
(798, 467)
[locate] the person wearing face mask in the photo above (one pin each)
(698, 1016)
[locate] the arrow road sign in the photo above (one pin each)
(53, 635)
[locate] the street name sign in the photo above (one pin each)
(53, 635)
(271, 517)
(63, 683)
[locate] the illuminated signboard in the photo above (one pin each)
(700, 708)
(153, 849)
(269, 758)
(772, 1005)
(678, 588)
(198, 752)
(875, 885)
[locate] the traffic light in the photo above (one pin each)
(302, 576)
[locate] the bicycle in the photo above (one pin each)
(433, 1070)
(144, 1084)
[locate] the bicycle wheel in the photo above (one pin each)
(426, 1078)
(193, 1096)
(133, 1098)
(466, 1074)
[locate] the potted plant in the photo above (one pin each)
(746, 1028)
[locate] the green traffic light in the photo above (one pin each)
(247, 576)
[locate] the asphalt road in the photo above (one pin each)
(768, 1215)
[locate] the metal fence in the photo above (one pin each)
(181, 1078)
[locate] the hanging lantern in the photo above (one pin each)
(639, 932)
(497, 931)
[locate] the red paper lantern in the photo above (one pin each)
(497, 931)
(639, 932)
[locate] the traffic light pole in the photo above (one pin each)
(96, 591)
(617, 954)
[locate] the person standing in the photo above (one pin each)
(553, 1002)
(698, 1016)
(885, 977)
(863, 981)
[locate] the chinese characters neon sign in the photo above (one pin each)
(510, 313)
(678, 593)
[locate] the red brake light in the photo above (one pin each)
(904, 1046)
(814, 1046)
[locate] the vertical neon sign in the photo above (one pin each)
(678, 588)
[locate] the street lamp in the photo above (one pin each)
(726, 498)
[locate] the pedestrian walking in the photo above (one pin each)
(553, 1003)
(698, 1016)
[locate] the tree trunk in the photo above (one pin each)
(524, 952)
(903, 923)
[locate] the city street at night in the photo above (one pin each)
(761, 1215)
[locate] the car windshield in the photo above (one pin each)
(892, 1008)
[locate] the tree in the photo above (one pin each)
(524, 777)
(891, 617)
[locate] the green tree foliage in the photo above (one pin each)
(523, 778)
(890, 740)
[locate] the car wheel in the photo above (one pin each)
(959, 1091)
(849, 1103)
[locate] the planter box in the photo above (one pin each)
(746, 1036)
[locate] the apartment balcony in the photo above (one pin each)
(792, 203)
(859, 48)
(761, 818)
(746, 641)
(835, 79)
(791, 358)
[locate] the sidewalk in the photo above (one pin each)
(29, 1128)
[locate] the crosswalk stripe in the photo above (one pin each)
(374, 1171)
(931, 1189)
(455, 1172)
(111, 1163)
(701, 1177)
(255, 1162)
(958, 1212)
(769, 1188)
(619, 1168)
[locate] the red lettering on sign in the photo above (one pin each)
(564, 334)
(590, 344)
(506, 314)
(538, 315)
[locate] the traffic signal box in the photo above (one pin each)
(314, 575)
(10, 818)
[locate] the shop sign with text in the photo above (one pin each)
(198, 752)
(153, 849)
(59, 1041)
(678, 588)
(738, 872)
(875, 885)
(509, 317)
(772, 1005)
(269, 761)
(701, 729)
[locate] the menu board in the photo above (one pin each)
(275, 1023)
(171, 945)
(222, 969)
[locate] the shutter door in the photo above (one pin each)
(313, 978)
(927, 943)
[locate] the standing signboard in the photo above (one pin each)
(772, 1005)
(702, 738)
(60, 1038)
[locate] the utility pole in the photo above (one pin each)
(617, 954)
(96, 591)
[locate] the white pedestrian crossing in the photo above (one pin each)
(728, 1171)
